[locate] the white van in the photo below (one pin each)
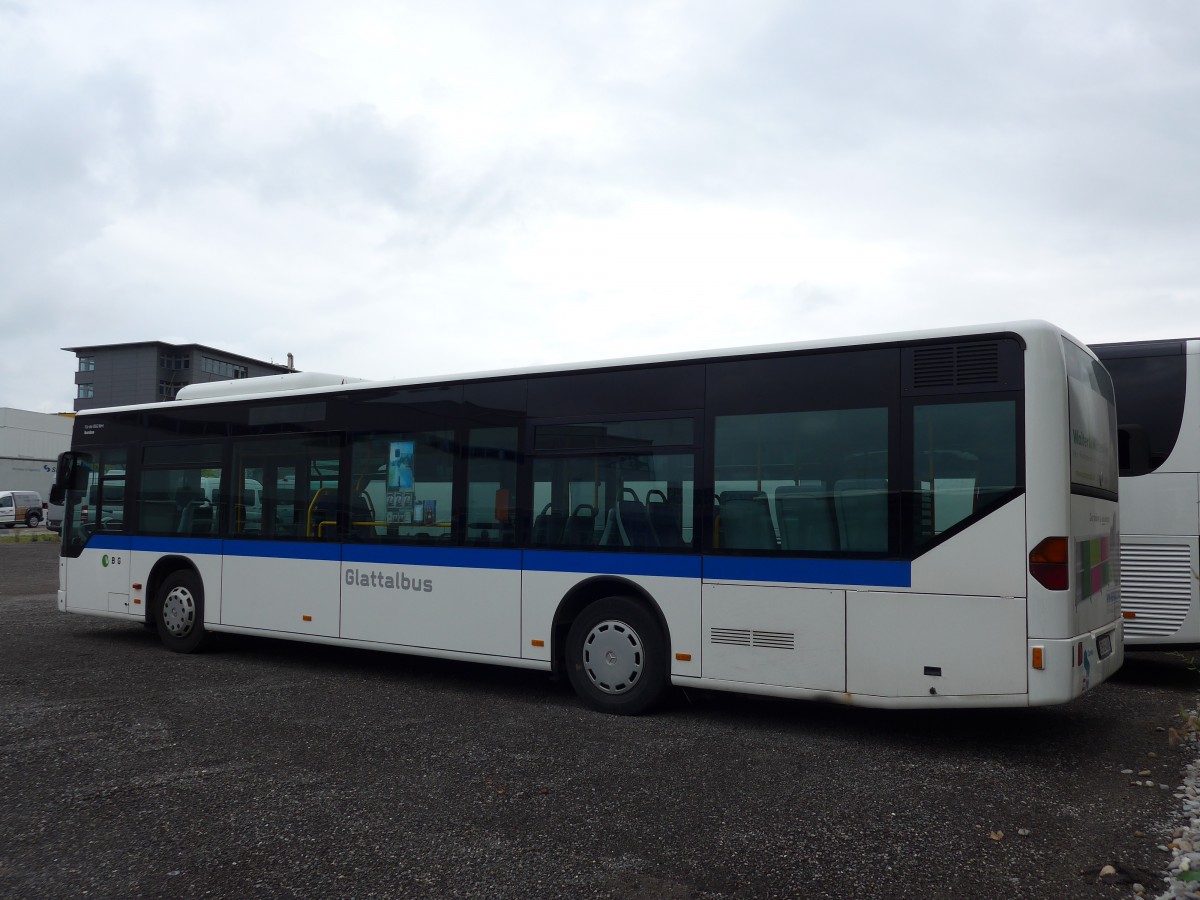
(18, 507)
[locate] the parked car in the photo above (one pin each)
(54, 517)
(17, 507)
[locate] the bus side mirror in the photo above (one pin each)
(71, 475)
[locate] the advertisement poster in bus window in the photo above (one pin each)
(1092, 422)
(401, 497)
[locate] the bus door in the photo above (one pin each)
(281, 570)
(96, 548)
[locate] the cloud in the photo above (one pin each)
(399, 189)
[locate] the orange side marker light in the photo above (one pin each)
(1038, 662)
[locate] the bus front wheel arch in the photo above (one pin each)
(179, 611)
(616, 656)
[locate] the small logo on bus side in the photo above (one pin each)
(104, 560)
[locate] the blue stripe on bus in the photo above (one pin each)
(872, 572)
(670, 566)
(204, 546)
(452, 557)
(110, 542)
(865, 572)
(325, 552)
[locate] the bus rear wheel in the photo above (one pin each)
(179, 612)
(616, 657)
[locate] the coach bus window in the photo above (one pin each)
(1150, 394)
(171, 490)
(492, 485)
(402, 486)
(639, 502)
(964, 462)
(802, 482)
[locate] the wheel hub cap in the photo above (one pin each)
(179, 612)
(613, 657)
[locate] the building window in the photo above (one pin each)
(166, 390)
(219, 367)
(87, 364)
(173, 361)
(86, 391)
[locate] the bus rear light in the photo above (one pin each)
(1079, 654)
(1128, 614)
(1038, 661)
(1048, 564)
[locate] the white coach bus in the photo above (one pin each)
(1158, 414)
(914, 520)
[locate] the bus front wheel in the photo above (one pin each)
(179, 612)
(616, 657)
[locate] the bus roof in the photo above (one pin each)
(300, 383)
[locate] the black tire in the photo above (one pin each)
(179, 612)
(32, 520)
(617, 657)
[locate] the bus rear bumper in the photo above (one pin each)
(1070, 667)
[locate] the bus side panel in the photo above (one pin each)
(914, 645)
(1160, 503)
(988, 558)
(99, 577)
(469, 610)
(290, 588)
(787, 636)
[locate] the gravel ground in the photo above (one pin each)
(279, 769)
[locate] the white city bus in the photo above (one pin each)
(1157, 385)
(915, 520)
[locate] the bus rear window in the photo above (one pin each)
(1093, 424)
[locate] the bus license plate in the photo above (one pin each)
(1104, 645)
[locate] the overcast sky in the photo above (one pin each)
(390, 189)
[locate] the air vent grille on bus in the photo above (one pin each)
(1156, 586)
(956, 365)
(746, 637)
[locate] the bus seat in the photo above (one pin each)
(633, 524)
(580, 529)
(862, 513)
(806, 518)
(548, 528)
(663, 521)
(746, 521)
(187, 501)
